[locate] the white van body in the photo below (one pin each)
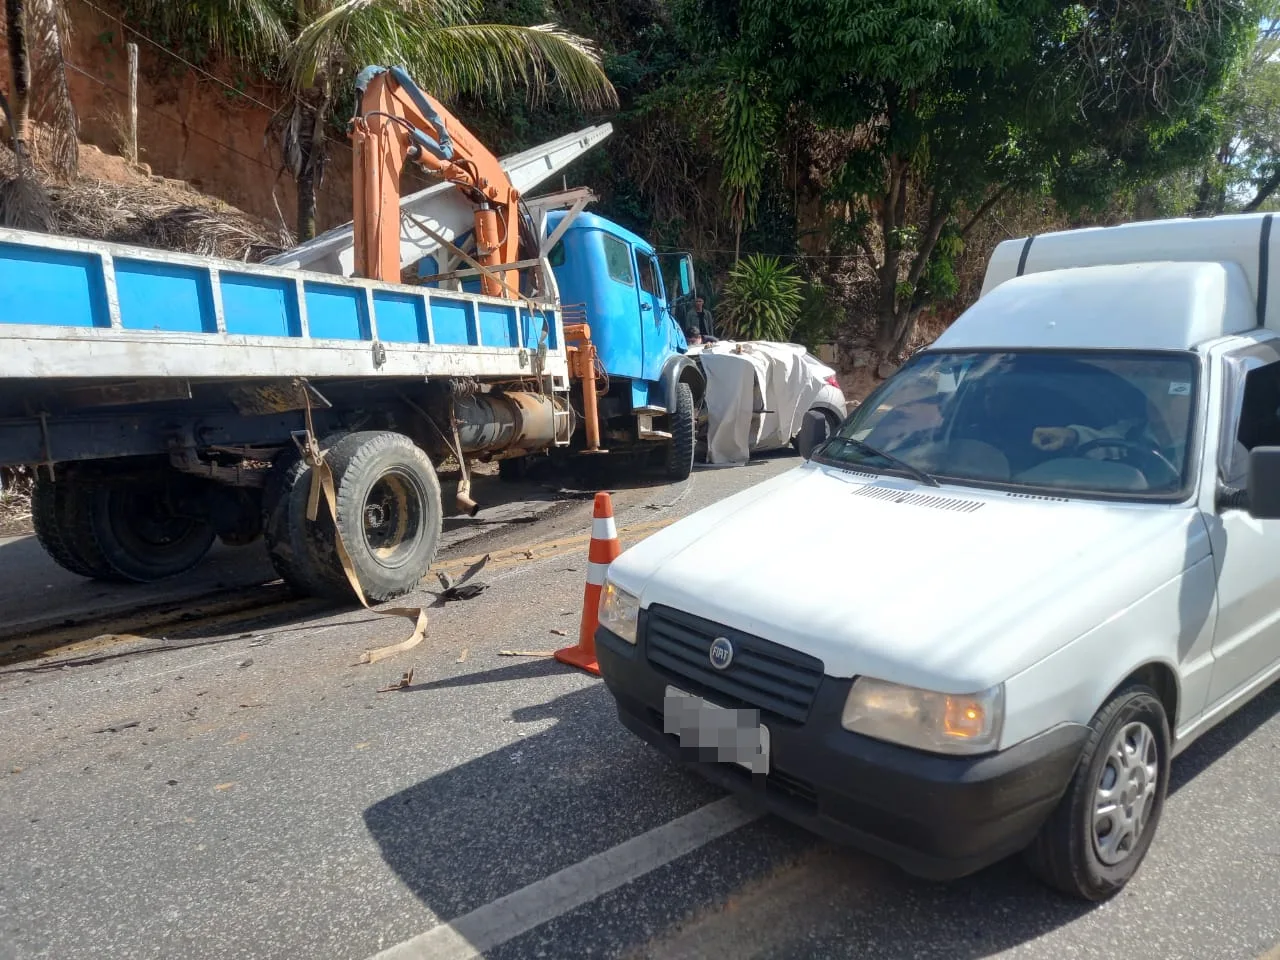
(848, 609)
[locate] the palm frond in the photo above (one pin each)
(494, 60)
(352, 34)
(253, 31)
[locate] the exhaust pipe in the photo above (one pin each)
(463, 498)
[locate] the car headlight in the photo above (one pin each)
(619, 611)
(937, 722)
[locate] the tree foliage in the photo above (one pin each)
(946, 106)
(762, 299)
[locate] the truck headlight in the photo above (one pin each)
(619, 611)
(936, 722)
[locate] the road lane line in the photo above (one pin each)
(1272, 954)
(517, 913)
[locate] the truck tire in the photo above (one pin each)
(389, 513)
(684, 435)
(297, 568)
(60, 516)
(1084, 850)
(139, 536)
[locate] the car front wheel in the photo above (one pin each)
(1097, 836)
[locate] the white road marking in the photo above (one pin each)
(517, 913)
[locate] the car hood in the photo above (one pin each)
(952, 589)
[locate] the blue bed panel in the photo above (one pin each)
(498, 326)
(452, 320)
(52, 287)
(164, 296)
(402, 317)
(337, 313)
(531, 324)
(260, 306)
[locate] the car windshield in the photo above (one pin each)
(1092, 423)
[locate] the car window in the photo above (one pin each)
(617, 259)
(1095, 423)
(648, 274)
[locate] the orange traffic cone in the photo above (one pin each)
(605, 548)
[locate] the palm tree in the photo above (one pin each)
(318, 46)
(17, 107)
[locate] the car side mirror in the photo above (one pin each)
(1264, 483)
(814, 430)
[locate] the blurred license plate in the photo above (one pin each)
(717, 733)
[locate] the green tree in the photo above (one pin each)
(762, 299)
(318, 46)
(938, 109)
(1244, 169)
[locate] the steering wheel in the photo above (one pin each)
(1144, 450)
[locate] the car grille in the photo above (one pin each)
(763, 675)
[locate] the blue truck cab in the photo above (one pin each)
(613, 279)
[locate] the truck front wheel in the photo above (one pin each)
(142, 535)
(684, 435)
(1097, 837)
(389, 515)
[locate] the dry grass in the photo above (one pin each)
(134, 209)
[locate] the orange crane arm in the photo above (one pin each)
(398, 124)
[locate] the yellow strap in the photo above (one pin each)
(322, 481)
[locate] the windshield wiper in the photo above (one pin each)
(902, 465)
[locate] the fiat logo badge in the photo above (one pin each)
(721, 654)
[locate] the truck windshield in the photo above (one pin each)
(1092, 423)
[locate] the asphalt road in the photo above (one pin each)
(240, 789)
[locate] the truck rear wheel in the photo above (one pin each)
(60, 516)
(287, 539)
(140, 533)
(389, 514)
(684, 435)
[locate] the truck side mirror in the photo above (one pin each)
(1264, 483)
(814, 430)
(687, 283)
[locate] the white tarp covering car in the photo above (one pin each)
(758, 393)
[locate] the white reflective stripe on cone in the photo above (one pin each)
(595, 573)
(603, 528)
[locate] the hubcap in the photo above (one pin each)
(1126, 793)
(393, 518)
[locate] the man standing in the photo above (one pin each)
(697, 323)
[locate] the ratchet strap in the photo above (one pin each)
(322, 482)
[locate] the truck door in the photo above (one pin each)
(655, 329)
(1246, 550)
(679, 283)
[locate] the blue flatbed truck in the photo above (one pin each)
(163, 399)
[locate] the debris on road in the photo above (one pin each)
(462, 657)
(261, 641)
(560, 633)
(462, 589)
(246, 662)
(526, 653)
(406, 678)
(117, 727)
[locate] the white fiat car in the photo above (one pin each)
(993, 605)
